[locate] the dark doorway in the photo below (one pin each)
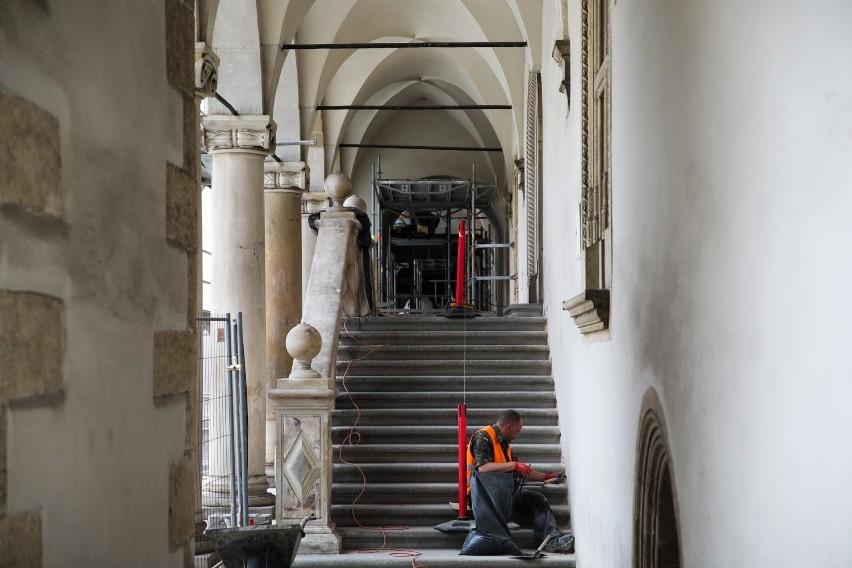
(656, 535)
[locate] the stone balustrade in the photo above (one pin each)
(303, 402)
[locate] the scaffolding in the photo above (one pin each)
(414, 262)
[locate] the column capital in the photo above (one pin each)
(286, 176)
(313, 201)
(206, 71)
(244, 133)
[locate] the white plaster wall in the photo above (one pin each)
(96, 463)
(732, 139)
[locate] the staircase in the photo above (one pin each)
(408, 391)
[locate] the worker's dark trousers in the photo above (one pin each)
(536, 506)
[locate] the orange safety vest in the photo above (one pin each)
(499, 456)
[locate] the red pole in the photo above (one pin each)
(462, 461)
(460, 268)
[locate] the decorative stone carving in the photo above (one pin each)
(286, 175)
(206, 71)
(301, 468)
(356, 202)
(562, 56)
(238, 133)
(338, 187)
(313, 202)
(304, 343)
(590, 310)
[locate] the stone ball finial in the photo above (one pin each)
(338, 186)
(356, 202)
(303, 343)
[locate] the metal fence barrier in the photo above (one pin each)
(223, 441)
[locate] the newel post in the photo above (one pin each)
(303, 461)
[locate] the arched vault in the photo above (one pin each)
(248, 35)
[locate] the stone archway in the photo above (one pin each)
(656, 527)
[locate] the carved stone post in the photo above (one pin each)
(303, 466)
(238, 145)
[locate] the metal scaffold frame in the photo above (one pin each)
(432, 201)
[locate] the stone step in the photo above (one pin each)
(430, 453)
(498, 400)
(438, 353)
(481, 383)
(420, 472)
(420, 514)
(444, 337)
(433, 558)
(422, 538)
(391, 494)
(444, 367)
(433, 434)
(434, 323)
(445, 415)
(407, 392)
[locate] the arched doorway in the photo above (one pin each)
(656, 530)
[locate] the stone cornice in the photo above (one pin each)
(249, 133)
(286, 176)
(206, 71)
(590, 310)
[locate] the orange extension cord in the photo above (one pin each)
(353, 439)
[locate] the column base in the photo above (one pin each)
(320, 540)
(271, 433)
(257, 494)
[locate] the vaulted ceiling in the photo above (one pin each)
(258, 75)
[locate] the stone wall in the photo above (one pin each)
(98, 283)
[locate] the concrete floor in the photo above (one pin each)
(434, 558)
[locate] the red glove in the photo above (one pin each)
(556, 477)
(523, 468)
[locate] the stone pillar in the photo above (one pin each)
(238, 145)
(206, 80)
(283, 186)
(303, 467)
(311, 203)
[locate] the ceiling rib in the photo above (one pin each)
(405, 45)
(414, 107)
(408, 147)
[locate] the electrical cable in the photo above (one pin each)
(353, 439)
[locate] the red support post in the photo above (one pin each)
(460, 260)
(462, 422)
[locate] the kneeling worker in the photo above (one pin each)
(489, 452)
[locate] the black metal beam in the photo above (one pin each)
(414, 107)
(405, 45)
(226, 104)
(408, 147)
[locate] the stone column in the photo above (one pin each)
(311, 203)
(283, 186)
(206, 80)
(303, 405)
(238, 145)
